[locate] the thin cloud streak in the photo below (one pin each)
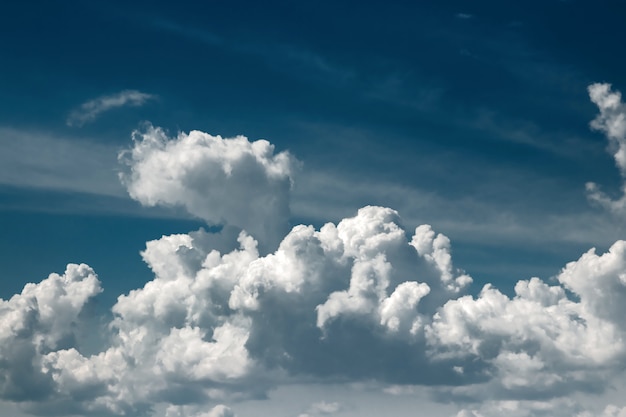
(90, 110)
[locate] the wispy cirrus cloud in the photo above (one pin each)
(90, 110)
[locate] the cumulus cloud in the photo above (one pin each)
(222, 181)
(540, 342)
(43, 318)
(90, 110)
(230, 315)
(612, 122)
(360, 300)
(220, 326)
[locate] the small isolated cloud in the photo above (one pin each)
(464, 16)
(612, 122)
(90, 110)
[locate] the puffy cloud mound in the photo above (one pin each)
(612, 122)
(541, 342)
(39, 320)
(358, 300)
(215, 326)
(222, 181)
(230, 315)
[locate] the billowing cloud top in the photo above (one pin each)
(222, 181)
(362, 299)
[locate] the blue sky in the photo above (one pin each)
(472, 117)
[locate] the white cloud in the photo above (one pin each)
(214, 327)
(612, 122)
(211, 323)
(358, 300)
(41, 319)
(90, 110)
(541, 342)
(222, 181)
(609, 411)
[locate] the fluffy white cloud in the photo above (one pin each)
(612, 122)
(221, 325)
(359, 300)
(541, 341)
(222, 181)
(41, 319)
(90, 110)
(348, 300)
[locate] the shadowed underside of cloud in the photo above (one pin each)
(90, 110)
(362, 299)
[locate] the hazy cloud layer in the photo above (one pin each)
(46, 161)
(90, 110)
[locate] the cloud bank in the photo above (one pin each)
(363, 299)
(90, 110)
(358, 300)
